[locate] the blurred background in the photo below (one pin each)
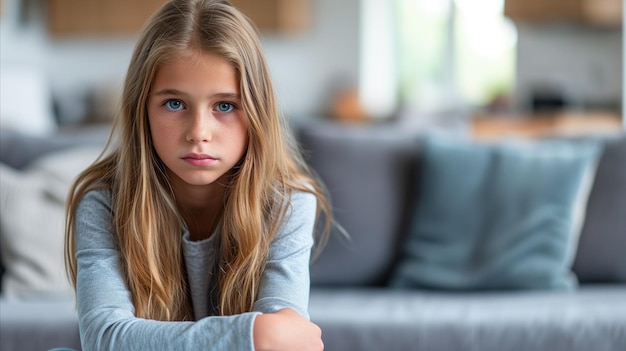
(488, 67)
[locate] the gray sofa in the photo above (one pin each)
(372, 173)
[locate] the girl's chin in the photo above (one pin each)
(197, 181)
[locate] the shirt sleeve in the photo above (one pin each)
(286, 279)
(106, 314)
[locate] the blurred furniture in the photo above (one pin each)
(118, 17)
(277, 16)
(371, 172)
(561, 124)
(98, 17)
(593, 12)
(37, 309)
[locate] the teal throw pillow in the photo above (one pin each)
(497, 216)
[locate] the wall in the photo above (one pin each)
(307, 67)
(584, 62)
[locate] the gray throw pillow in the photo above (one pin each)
(32, 218)
(600, 257)
(497, 216)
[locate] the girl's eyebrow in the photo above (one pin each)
(169, 92)
(233, 96)
(176, 92)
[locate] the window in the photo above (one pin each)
(454, 54)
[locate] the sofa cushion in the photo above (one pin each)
(32, 214)
(367, 170)
(593, 318)
(497, 216)
(39, 324)
(601, 251)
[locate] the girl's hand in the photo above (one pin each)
(286, 330)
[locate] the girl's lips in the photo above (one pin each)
(199, 160)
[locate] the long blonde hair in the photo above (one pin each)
(146, 221)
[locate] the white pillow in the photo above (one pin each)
(25, 100)
(32, 216)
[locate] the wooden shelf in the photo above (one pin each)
(122, 17)
(593, 12)
(278, 16)
(99, 17)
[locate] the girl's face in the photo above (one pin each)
(198, 126)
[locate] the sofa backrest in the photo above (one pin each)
(372, 172)
(19, 150)
(369, 172)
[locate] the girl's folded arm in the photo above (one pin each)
(106, 314)
(286, 278)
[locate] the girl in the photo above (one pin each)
(195, 227)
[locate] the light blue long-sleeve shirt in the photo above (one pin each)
(106, 314)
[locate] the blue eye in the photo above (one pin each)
(174, 105)
(225, 107)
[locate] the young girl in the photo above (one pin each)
(194, 229)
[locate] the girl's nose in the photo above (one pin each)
(200, 127)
